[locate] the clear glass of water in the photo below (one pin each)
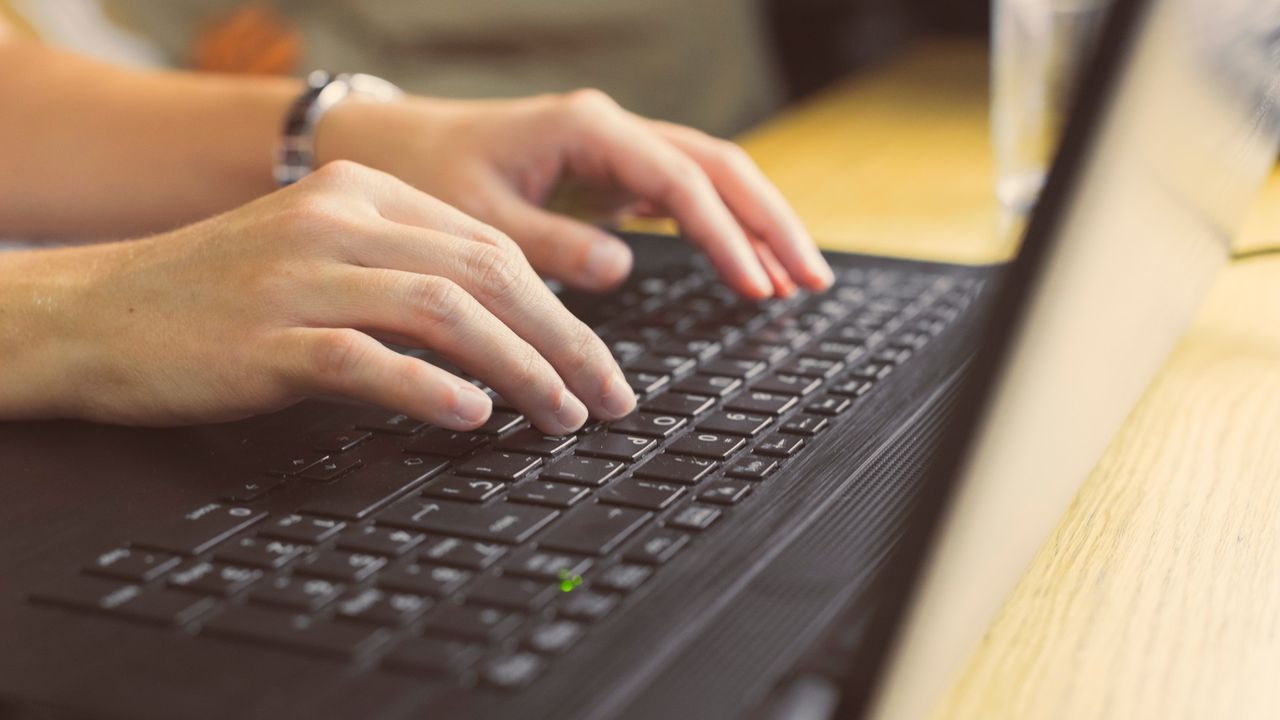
(1037, 51)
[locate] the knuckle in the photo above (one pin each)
(588, 351)
(338, 172)
(588, 101)
(529, 370)
(439, 300)
(497, 272)
(336, 355)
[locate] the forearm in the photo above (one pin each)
(91, 149)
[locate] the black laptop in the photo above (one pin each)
(808, 516)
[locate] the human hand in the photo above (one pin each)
(281, 299)
(500, 160)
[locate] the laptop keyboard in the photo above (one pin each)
(482, 556)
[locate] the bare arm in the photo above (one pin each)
(92, 149)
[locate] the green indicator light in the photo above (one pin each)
(569, 582)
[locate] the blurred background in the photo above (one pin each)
(720, 65)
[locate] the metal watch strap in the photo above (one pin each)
(295, 156)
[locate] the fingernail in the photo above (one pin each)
(471, 406)
(608, 262)
(571, 414)
(618, 400)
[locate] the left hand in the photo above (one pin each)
(500, 160)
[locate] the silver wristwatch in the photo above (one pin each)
(295, 157)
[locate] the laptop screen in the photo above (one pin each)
(1173, 129)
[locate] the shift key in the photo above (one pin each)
(594, 530)
(200, 529)
(500, 522)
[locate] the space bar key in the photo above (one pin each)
(500, 522)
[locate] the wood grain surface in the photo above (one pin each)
(1158, 596)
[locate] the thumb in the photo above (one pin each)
(568, 250)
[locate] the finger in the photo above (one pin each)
(348, 363)
(782, 284)
(614, 144)
(756, 202)
(500, 278)
(574, 252)
(436, 313)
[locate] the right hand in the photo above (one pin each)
(283, 298)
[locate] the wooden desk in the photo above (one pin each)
(1158, 595)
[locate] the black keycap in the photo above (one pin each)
(249, 489)
(854, 387)
(626, 350)
(511, 671)
(829, 405)
(673, 365)
(373, 487)
(433, 656)
(527, 596)
(808, 425)
(531, 442)
(891, 355)
(502, 522)
(682, 404)
(299, 632)
(648, 425)
(378, 607)
(289, 465)
(788, 384)
(724, 492)
(594, 529)
(214, 578)
(446, 443)
(331, 469)
(340, 565)
(836, 350)
(500, 422)
(302, 529)
(742, 368)
(645, 384)
(340, 441)
(764, 352)
(200, 529)
(713, 385)
(871, 371)
(586, 606)
(779, 445)
(485, 624)
(702, 349)
(752, 468)
(581, 470)
(615, 446)
(622, 578)
(296, 593)
(545, 565)
(133, 564)
(261, 552)
(761, 403)
(676, 468)
(390, 423)
(813, 367)
(643, 494)
(99, 594)
(466, 489)
(694, 517)
(554, 637)
(435, 581)
(498, 465)
(734, 423)
(707, 445)
(379, 540)
(656, 548)
(550, 494)
(468, 554)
